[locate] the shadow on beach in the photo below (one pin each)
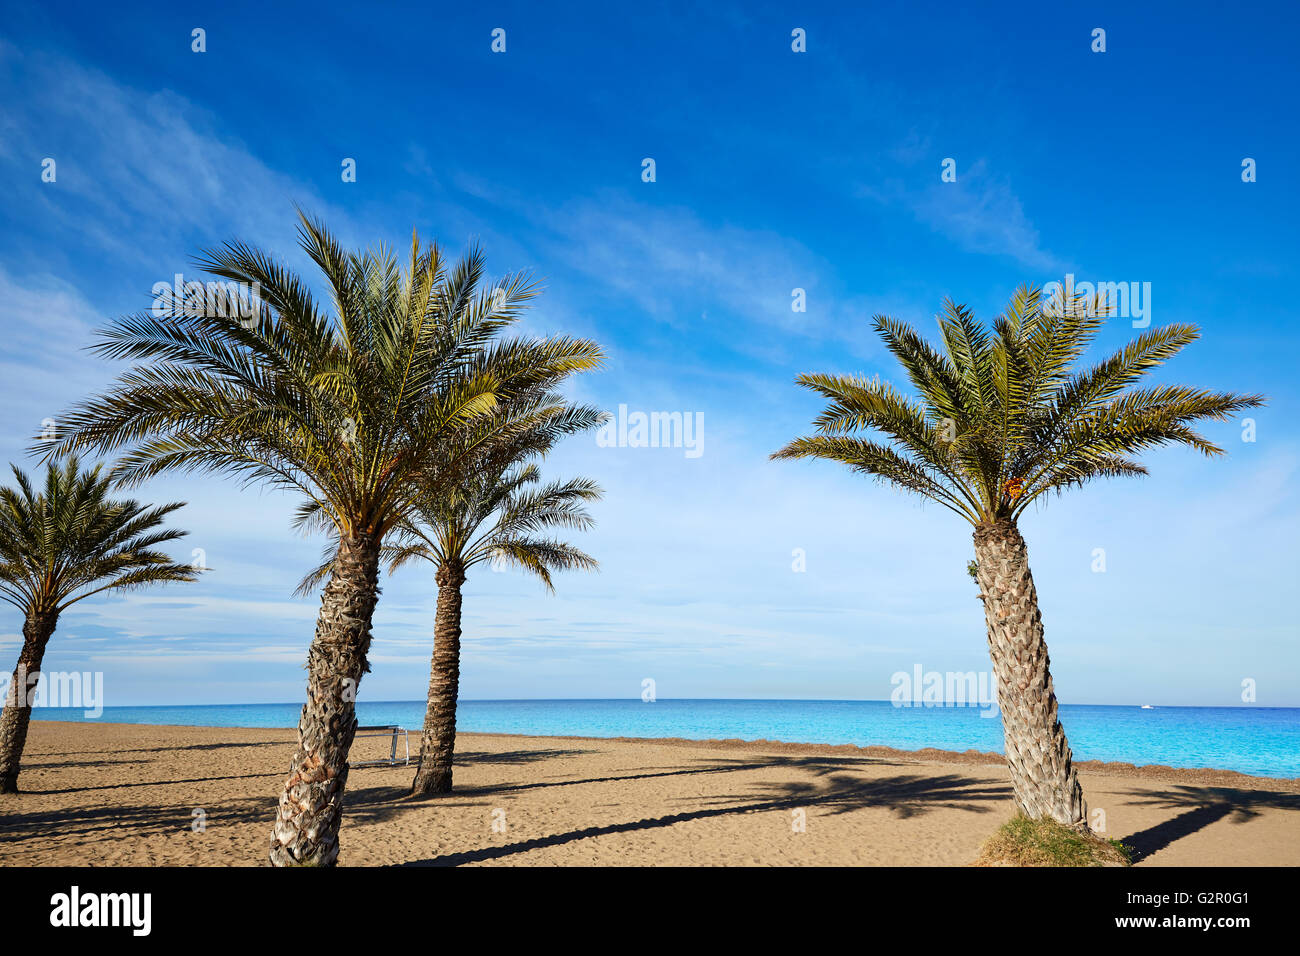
(32, 756)
(139, 820)
(832, 788)
(512, 757)
(1201, 807)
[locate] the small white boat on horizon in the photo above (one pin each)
(1147, 707)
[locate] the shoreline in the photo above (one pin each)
(1199, 776)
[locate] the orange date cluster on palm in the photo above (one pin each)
(1014, 488)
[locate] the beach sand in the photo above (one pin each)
(128, 795)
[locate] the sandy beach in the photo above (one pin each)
(130, 795)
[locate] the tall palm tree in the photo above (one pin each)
(1002, 421)
(59, 546)
(496, 512)
(350, 408)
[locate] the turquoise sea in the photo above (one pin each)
(1255, 740)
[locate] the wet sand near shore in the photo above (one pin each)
(131, 795)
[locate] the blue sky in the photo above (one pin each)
(775, 170)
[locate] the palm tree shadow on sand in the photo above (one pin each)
(833, 789)
(905, 796)
(1201, 807)
(816, 765)
(512, 757)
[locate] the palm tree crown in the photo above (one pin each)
(348, 410)
(71, 540)
(1003, 418)
(514, 512)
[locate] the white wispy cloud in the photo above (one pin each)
(980, 212)
(141, 172)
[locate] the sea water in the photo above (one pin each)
(1256, 740)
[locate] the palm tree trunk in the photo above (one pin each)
(17, 714)
(306, 831)
(1038, 755)
(438, 745)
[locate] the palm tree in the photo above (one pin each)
(496, 519)
(60, 546)
(496, 513)
(1004, 420)
(350, 409)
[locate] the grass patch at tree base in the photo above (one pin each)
(1025, 842)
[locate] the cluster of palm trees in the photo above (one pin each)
(406, 420)
(410, 425)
